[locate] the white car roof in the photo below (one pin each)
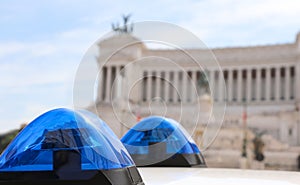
(211, 176)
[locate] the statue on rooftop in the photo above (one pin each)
(126, 28)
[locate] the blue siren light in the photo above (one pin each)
(159, 141)
(67, 145)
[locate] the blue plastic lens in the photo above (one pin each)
(156, 129)
(80, 134)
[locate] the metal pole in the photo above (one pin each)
(244, 149)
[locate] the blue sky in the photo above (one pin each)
(42, 42)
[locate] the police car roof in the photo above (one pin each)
(195, 176)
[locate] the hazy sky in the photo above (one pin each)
(42, 42)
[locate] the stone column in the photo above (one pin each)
(132, 74)
(100, 86)
(239, 85)
(167, 86)
(175, 87)
(230, 85)
(249, 85)
(277, 83)
(268, 84)
(287, 94)
(149, 88)
(258, 85)
(108, 84)
(212, 84)
(158, 84)
(184, 86)
(297, 81)
(118, 82)
(194, 93)
(298, 133)
(220, 87)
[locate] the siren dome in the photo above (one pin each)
(67, 147)
(159, 141)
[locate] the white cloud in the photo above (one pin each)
(10, 48)
(231, 22)
(38, 75)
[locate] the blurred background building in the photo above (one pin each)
(258, 87)
(260, 82)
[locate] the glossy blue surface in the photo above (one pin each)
(157, 129)
(81, 133)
